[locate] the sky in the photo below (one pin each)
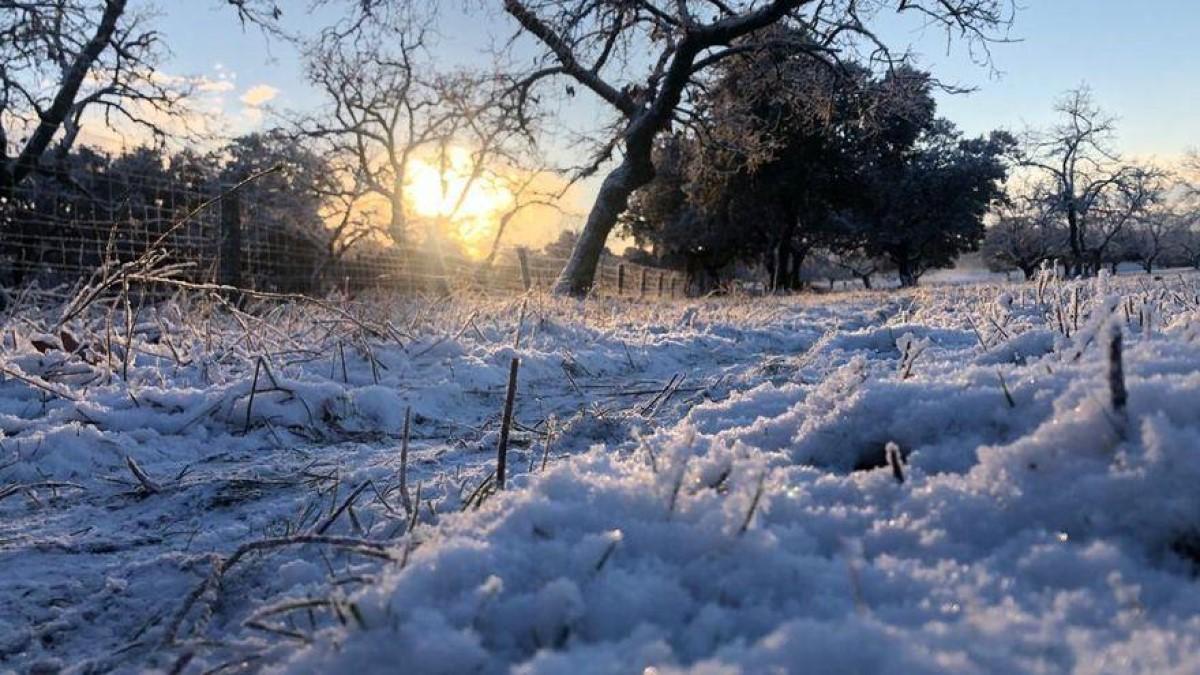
(1140, 59)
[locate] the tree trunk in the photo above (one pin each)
(576, 277)
(904, 269)
(797, 265)
(866, 281)
(779, 281)
(1075, 239)
(396, 225)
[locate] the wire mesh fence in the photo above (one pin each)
(51, 234)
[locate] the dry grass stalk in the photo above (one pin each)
(405, 500)
(506, 423)
(148, 485)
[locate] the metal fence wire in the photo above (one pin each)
(51, 234)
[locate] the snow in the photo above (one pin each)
(717, 495)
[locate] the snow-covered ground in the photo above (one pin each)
(929, 481)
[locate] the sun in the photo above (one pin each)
(442, 191)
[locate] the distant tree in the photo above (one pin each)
(1025, 233)
(860, 265)
(1108, 238)
(389, 104)
(296, 208)
(771, 155)
(1077, 156)
(662, 217)
(1187, 243)
(1158, 235)
(561, 247)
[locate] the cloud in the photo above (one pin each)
(214, 86)
(259, 94)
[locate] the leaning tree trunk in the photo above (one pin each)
(576, 277)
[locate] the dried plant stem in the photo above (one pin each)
(328, 522)
(506, 423)
(148, 485)
(1116, 373)
(253, 389)
(405, 500)
(758, 493)
(207, 589)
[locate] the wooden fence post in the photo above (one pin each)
(643, 285)
(674, 279)
(523, 258)
(229, 273)
(621, 279)
(661, 282)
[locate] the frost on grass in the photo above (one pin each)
(929, 482)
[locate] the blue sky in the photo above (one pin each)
(1140, 58)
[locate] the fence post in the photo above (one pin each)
(661, 282)
(673, 280)
(229, 272)
(522, 256)
(620, 279)
(642, 285)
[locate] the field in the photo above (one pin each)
(961, 478)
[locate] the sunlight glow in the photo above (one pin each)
(467, 211)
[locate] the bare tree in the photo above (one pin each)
(60, 59)
(1132, 196)
(388, 105)
(525, 193)
(1077, 156)
(602, 45)
(1025, 233)
(1157, 235)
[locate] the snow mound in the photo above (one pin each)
(1053, 545)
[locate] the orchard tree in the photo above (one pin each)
(385, 107)
(1025, 233)
(1159, 235)
(781, 139)
(770, 157)
(1077, 156)
(1108, 238)
(646, 59)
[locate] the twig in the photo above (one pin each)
(1004, 387)
(1116, 373)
